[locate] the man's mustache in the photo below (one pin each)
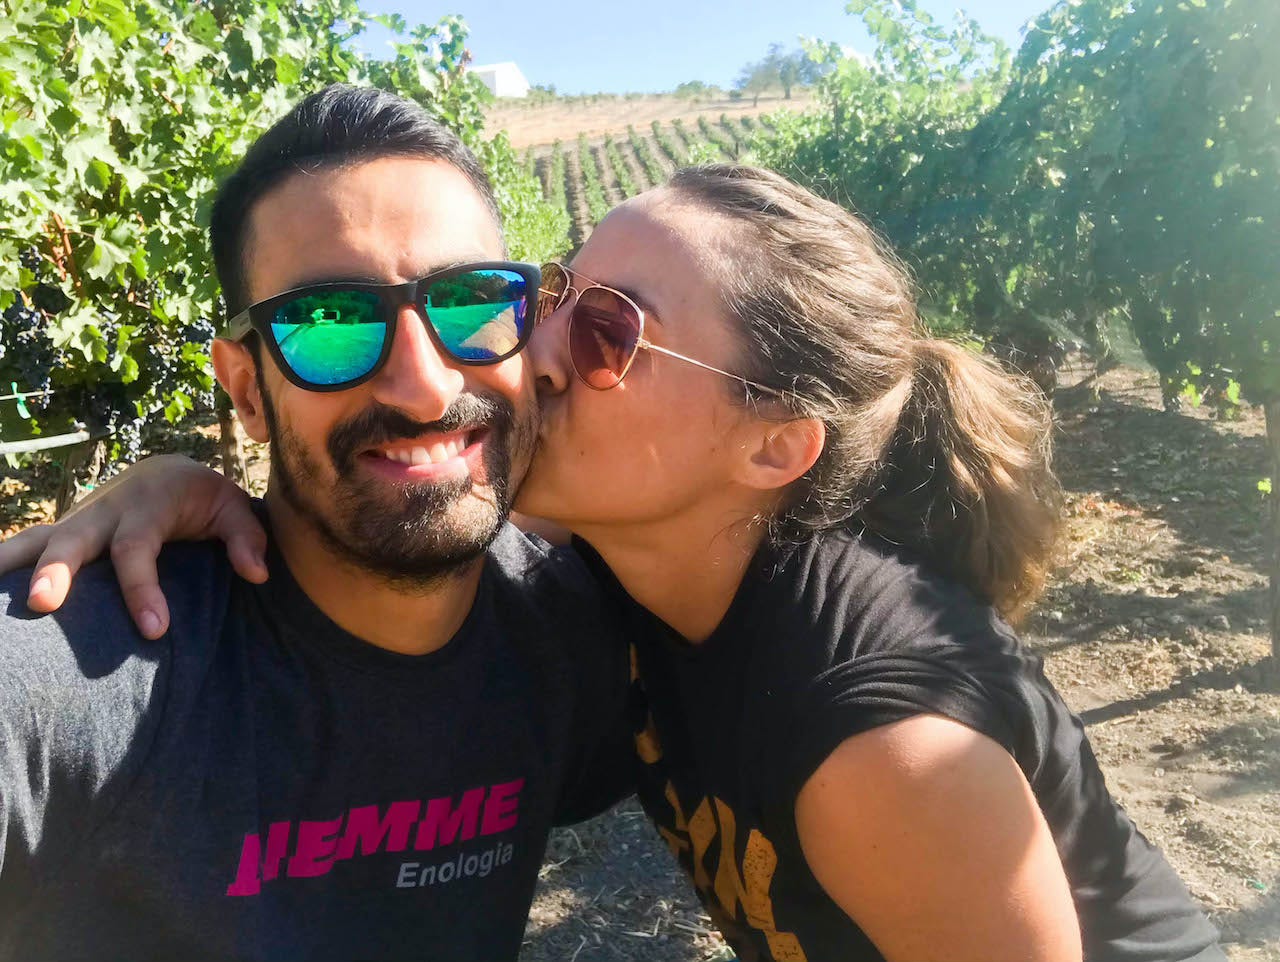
(381, 424)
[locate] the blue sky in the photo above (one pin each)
(652, 45)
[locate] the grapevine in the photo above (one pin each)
(597, 206)
(667, 144)
(652, 169)
(621, 173)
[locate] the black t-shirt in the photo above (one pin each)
(260, 784)
(830, 639)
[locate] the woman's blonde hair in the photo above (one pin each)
(929, 445)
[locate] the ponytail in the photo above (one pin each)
(965, 480)
(928, 445)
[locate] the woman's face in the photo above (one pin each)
(667, 440)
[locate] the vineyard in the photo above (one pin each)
(587, 177)
(1099, 208)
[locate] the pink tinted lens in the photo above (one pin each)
(603, 332)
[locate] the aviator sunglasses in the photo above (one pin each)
(606, 330)
(330, 337)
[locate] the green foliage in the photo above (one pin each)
(723, 142)
(652, 169)
(683, 136)
(733, 132)
(1122, 172)
(697, 90)
(540, 94)
(1175, 193)
(780, 70)
(535, 231)
(554, 188)
(592, 188)
(675, 150)
(621, 172)
(117, 123)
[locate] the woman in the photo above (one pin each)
(811, 515)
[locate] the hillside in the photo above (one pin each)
(540, 125)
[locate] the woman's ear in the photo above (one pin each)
(782, 452)
(236, 371)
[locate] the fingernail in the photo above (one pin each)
(42, 584)
(150, 623)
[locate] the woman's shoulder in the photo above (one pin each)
(870, 635)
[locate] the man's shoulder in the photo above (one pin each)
(92, 635)
(529, 566)
(547, 594)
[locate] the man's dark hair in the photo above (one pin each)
(337, 126)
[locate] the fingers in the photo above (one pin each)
(24, 548)
(133, 555)
(246, 541)
(49, 585)
(65, 548)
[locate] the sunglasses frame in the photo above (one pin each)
(391, 297)
(642, 343)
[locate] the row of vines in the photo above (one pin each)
(586, 178)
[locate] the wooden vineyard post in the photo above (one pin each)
(1272, 411)
(229, 447)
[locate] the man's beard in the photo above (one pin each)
(405, 534)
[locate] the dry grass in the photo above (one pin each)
(539, 125)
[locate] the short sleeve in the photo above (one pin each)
(987, 683)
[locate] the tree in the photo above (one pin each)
(695, 90)
(779, 68)
(756, 79)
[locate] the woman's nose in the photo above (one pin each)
(548, 351)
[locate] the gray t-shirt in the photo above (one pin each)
(260, 784)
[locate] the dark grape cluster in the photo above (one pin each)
(29, 355)
(29, 257)
(50, 299)
(200, 332)
(107, 405)
(128, 439)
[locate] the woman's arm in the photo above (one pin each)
(165, 498)
(927, 834)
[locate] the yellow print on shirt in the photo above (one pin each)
(733, 884)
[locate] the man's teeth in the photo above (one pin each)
(435, 454)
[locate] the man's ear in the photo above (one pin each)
(781, 452)
(236, 371)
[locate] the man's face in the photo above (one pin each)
(410, 474)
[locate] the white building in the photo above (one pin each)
(502, 79)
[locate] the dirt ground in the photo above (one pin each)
(1153, 628)
(537, 125)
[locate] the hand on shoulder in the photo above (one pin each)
(164, 498)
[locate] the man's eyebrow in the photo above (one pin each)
(315, 280)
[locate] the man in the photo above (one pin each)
(361, 758)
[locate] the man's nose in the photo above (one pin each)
(418, 377)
